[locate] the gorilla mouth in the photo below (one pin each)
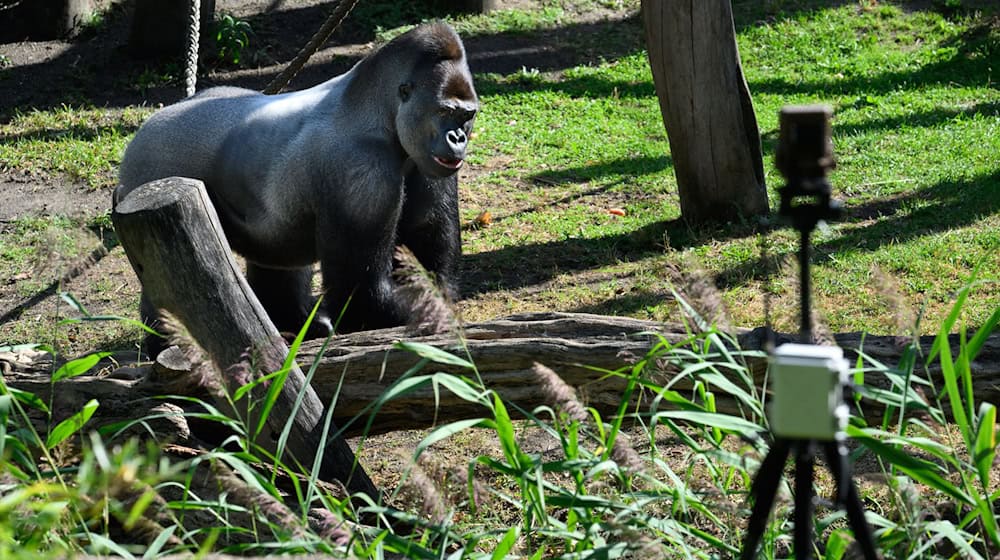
(450, 163)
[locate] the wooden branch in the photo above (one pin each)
(173, 239)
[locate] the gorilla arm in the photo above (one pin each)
(429, 227)
(356, 241)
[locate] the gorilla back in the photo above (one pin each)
(340, 173)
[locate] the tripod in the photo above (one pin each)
(810, 373)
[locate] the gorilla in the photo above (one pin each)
(339, 173)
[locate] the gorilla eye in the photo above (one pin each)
(405, 90)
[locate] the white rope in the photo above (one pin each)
(193, 33)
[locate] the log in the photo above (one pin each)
(706, 108)
(175, 243)
(581, 348)
(360, 366)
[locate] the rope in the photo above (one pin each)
(193, 36)
(329, 26)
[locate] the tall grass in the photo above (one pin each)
(607, 487)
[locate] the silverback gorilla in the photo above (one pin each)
(339, 173)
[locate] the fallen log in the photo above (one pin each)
(175, 243)
(359, 367)
(581, 348)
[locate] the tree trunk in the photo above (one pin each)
(173, 239)
(581, 348)
(43, 19)
(159, 27)
(706, 108)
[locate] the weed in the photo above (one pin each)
(232, 36)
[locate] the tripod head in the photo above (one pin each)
(805, 157)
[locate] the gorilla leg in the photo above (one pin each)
(286, 295)
(150, 316)
(357, 275)
(429, 226)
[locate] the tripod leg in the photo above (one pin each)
(804, 457)
(836, 454)
(764, 487)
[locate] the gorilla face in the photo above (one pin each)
(435, 119)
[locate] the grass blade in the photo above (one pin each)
(71, 425)
(78, 366)
(434, 354)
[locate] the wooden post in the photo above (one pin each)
(706, 108)
(173, 239)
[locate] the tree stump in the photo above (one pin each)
(175, 243)
(706, 108)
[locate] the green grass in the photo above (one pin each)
(84, 144)
(917, 116)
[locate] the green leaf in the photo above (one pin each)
(976, 344)
(712, 419)
(28, 399)
(946, 530)
(99, 318)
(446, 431)
(71, 425)
(74, 303)
(505, 431)
(506, 543)
(956, 308)
(985, 449)
(78, 366)
(837, 545)
(434, 354)
(157, 545)
(281, 376)
(917, 469)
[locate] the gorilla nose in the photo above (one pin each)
(457, 140)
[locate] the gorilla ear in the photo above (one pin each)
(404, 90)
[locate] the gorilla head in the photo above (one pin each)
(437, 102)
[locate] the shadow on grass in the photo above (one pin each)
(85, 133)
(108, 239)
(972, 61)
(535, 263)
(920, 119)
(941, 207)
(100, 71)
